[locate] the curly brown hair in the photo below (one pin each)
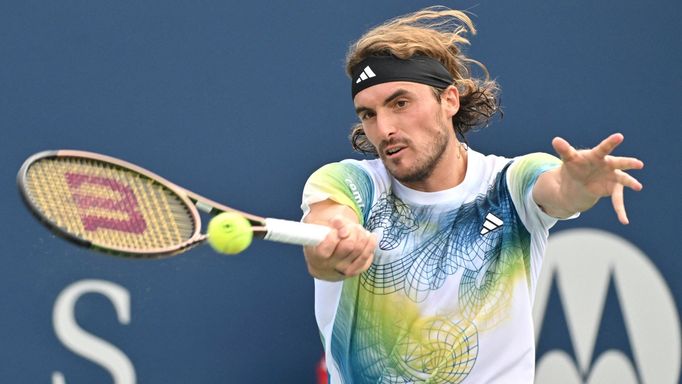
(438, 32)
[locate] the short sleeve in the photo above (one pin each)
(344, 183)
(521, 177)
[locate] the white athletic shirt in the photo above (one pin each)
(449, 295)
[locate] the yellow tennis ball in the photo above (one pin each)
(229, 233)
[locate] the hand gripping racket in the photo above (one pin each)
(107, 204)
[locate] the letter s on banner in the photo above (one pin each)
(85, 344)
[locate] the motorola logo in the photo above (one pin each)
(604, 314)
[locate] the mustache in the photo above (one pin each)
(392, 141)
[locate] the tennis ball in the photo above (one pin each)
(229, 233)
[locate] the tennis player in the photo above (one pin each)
(430, 272)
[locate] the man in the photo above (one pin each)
(430, 270)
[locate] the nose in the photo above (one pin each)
(385, 125)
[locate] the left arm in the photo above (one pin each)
(584, 177)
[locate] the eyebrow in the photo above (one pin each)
(389, 99)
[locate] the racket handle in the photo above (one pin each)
(294, 232)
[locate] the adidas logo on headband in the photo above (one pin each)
(365, 74)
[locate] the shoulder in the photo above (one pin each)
(357, 171)
(519, 167)
(486, 168)
(348, 182)
(528, 167)
(348, 166)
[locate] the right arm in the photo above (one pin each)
(348, 249)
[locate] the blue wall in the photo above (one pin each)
(240, 101)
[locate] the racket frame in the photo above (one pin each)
(192, 201)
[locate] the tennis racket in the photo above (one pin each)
(112, 206)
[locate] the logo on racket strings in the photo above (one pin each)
(121, 203)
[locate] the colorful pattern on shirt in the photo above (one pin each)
(442, 277)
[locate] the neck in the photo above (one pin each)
(448, 173)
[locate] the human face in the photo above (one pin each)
(410, 129)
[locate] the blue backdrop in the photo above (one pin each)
(241, 101)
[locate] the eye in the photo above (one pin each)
(366, 115)
(401, 104)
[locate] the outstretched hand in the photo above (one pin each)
(590, 174)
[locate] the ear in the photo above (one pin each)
(450, 101)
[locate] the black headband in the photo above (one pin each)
(382, 69)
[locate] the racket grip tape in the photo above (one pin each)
(294, 232)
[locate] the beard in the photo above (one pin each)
(427, 161)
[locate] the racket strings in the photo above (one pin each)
(107, 205)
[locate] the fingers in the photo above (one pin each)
(355, 250)
(347, 251)
(565, 151)
(617, 197)
(342, 229)
(608, 145)
(619, 204)
(326, 247)
(624, 163)
(624, 179)
(360, 261)
(597, 173)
